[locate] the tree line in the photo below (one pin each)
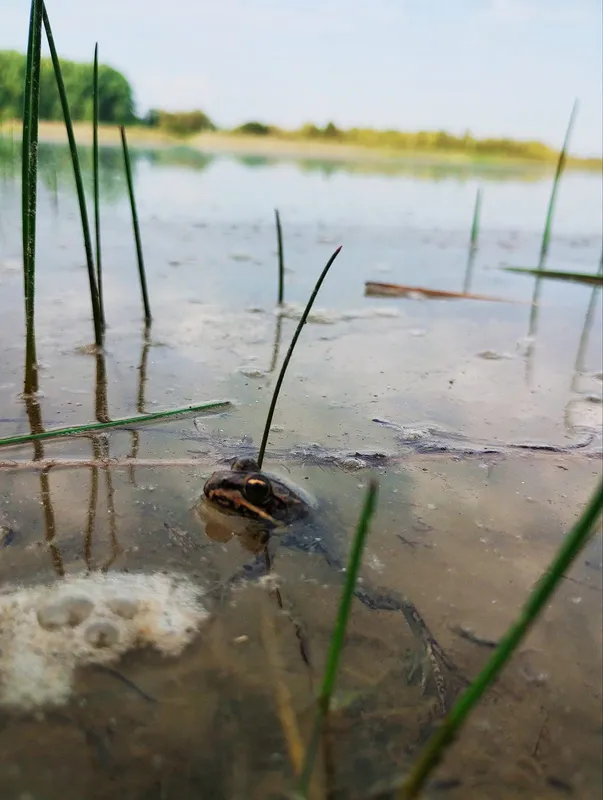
(421, 141)
(116, 99)
(116, 105)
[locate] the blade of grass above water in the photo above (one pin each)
(141, 270)
(79, 185)
(281, 258)
(546, 235)
(29, 165)
(287, 358)
(338, 635)
(95, 178)
(476, 218)
(561, 275)
(573, 543)
(214, 407)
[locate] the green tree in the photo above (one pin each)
(331, 131)
(254, 129)
(116, 103)
(185, 123)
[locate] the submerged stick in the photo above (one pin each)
(115, 462)
(214, 406)
(79, 184)
(141, 270)
(29, 178)
(281, 259)
(95, 178)
(287, 358)
(546, 235)
(541, 594)
(338, 635)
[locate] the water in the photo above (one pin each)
(463, 537)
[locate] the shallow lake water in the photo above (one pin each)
(432, 396)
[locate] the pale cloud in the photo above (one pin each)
(497, 67)
(549, 10)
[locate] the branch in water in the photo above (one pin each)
(77, 463)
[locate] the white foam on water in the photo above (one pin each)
(47, 631)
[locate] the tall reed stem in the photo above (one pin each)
(281, 258)
(476, 218)
(541, 594)
(79, 184)
(141, 270)
(287, 359)
(29, 165)
(95, 178)
(338, 635)
(546, 235)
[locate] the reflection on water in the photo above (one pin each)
(453, 547)
(55, 167)
(463, 537)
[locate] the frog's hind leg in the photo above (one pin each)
(435, 667)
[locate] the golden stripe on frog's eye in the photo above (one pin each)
(256, 490)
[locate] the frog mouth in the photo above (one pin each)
(238, 508)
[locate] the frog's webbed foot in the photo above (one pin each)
(437, 672)
(418, 670)
(437, 675)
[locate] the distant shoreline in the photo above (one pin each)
(274, 146)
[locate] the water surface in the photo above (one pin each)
(463, 536)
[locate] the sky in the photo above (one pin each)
(493, 67)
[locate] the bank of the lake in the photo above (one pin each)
(288, 147)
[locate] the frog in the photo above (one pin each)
(277, 511)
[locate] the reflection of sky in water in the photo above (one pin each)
(209, 245)
(480, 530)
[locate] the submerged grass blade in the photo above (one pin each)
(476, 217)
(338, 635)
(79, 184)
(213, 407)
(287, 358)
(542, 592)
(560, 275)
(141, 271)
(281, 258)
(29, 164)
(282, 693)
(546, 235)
(95, 179)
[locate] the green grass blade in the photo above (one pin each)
(594, 279)
(338, 635)
(542, 592)
(281, 258)
(287, 359)
(79, 185)
(469, 267)
(211, 407)
(95, 178)
(546, 236)
(141, 270)
(476, 218)
(29, 164)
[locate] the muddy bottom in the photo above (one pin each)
(230, 717)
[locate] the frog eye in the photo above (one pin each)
(256, 490)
